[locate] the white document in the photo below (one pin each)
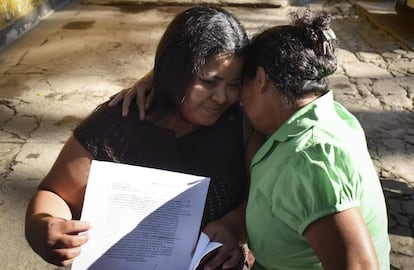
(204, 247)
(141, 218)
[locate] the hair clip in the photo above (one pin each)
(326, 47)
(329, 34)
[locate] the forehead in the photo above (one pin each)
(228, 65)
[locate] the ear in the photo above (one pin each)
(261, 80)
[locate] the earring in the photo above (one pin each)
(182, 100)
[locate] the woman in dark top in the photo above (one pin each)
(216, 151)
(194, 125)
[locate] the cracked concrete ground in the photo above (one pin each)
(80, 55)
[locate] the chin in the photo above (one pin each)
(208, 122)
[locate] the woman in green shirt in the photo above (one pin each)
(315, 200)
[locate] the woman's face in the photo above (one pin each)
(257, 100)
(215, 88)
(250, 102)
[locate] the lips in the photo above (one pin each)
(213, 110)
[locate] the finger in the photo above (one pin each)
(141, 111)
(71, 241)
(58, 262)
(149, 99)
(75, 227)
(225, 258)
(127, 101)
(217, 260)
(64, 257)
(141, 102)
(72, 226)
(117, 97)
(233, 260)
(67, 262)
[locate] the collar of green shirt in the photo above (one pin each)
(301, 121)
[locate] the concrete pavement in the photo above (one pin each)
(80, 55)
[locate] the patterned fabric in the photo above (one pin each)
(216, 151)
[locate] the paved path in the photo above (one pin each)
(79, 56)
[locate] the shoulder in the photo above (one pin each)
(319, 181)
(106, 130)
(105, 118)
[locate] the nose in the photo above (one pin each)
(220, 95)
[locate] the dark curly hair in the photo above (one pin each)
(297, 58)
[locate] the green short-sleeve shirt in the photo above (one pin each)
(317, 163)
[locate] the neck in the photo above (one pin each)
(284, 111)
(174, 121)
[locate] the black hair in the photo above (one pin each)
(298, 57)
(192, 37)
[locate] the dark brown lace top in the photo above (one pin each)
(216, 151)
